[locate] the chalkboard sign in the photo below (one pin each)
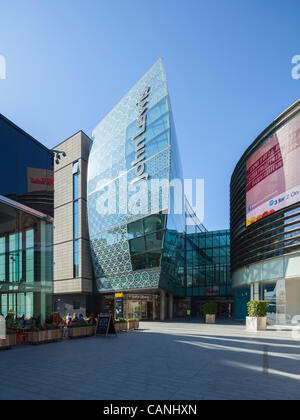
(105, 325)
(119, 307)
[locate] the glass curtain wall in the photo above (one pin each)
(128, 249)
(208, 264)
(25, 264)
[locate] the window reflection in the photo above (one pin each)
(152, 223)
(137, 245)
(154, 240)
(135, 229)
(139, 262)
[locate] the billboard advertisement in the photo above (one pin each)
(273, 173)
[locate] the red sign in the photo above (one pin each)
(43, 181)
(214, 291)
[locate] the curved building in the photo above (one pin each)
(137, 250)
(265, 220)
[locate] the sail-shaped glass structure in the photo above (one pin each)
(134, 246)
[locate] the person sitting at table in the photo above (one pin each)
(74, 318)
(69, 319)
(80, 318)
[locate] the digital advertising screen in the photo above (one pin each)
(273, 173)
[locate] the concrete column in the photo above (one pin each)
(162, 305)
(254, 291)
(171, 302)
(154, 315)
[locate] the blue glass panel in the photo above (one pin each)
(76, 258)
(76, 220)
(75, 186)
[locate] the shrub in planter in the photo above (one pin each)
(133, 324)
(210, 310)
(77, 329)
(136, 324)
(44, 333)
(257, 315)
(121, 324)
(257, 308)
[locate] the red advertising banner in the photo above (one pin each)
(273, 173)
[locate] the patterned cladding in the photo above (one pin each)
(108, 168)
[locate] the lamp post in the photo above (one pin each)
(13, 260)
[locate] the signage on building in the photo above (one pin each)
(119, 306)
(211, 291)
(139, 138)
(39, 180)
(140, 297)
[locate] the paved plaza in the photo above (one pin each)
(163, 360)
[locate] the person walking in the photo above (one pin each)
(188, 314)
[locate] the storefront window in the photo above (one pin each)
(2, 259)
(275, 294)
(26, 264)
(30, 255)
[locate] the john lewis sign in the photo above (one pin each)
(139, 138)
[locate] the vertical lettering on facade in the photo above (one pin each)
(139, 163)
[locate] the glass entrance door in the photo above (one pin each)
(140, 309)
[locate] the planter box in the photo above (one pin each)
(254, 324)
(10, 341)
(121, 326)
(39, 337)
(90, 330)
(77, 332)
(131, 325)
(210, 319)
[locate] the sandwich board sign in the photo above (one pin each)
(105, 325)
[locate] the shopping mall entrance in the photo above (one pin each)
(140, 310)
(142, 306)
(224, 308)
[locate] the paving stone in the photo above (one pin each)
(165, 361)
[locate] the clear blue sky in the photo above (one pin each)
(228, 65)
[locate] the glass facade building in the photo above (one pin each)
(208, 263)
(265, 258)
(26, 207)
(147, 255)
(25, 261)
(207, 269)
(136, 252)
